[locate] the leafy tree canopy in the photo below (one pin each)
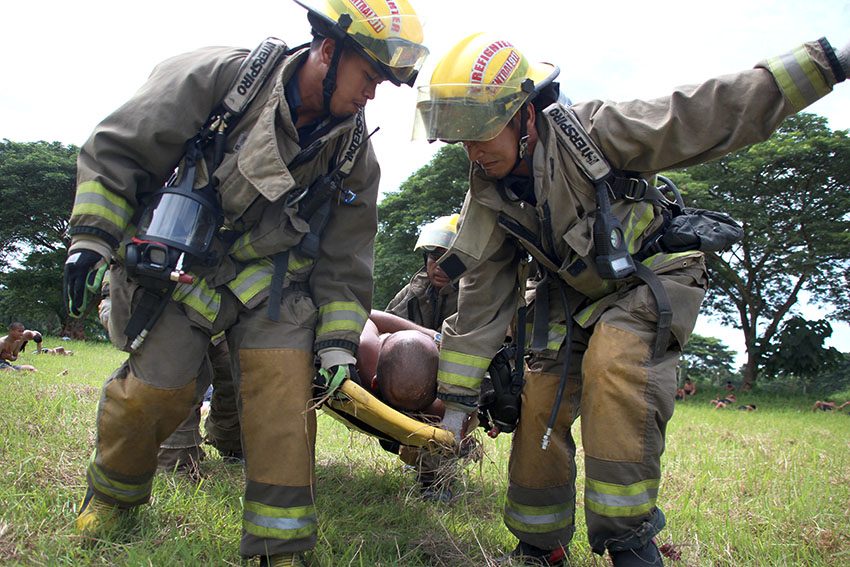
(707, 360)
(435, 190)
(792, 194)
(37, 184)
(799, 350)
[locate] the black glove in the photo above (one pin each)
(82, 278)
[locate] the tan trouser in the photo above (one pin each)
(625, 399)
(148, 397)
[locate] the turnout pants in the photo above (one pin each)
(154, 390)
(183, 447)
(625, 399)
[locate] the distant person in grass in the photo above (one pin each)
(828, 405)
(13, 343)
(721, 403)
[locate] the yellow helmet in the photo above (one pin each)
(388, 32)
(476, 88)
(437, 233)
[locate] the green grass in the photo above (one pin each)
(770, 487)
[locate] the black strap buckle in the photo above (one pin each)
(635, 189)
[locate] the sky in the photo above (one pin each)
(65, 65)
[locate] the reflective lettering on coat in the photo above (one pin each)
(256, 68)
(574, 136)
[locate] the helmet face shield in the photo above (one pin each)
(400, 58)
(437, 234)
(470, 112)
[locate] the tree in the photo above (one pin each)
(37, 185)
(707, 360)
(792, 193)
(434, 190)
(799, 350)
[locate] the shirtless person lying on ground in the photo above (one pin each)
(11, 344)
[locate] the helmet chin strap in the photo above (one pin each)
(523, 155)
(329, 82)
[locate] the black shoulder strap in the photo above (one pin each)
(252, 75)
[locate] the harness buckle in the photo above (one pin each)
(635, 189)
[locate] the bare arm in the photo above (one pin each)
(389, 323)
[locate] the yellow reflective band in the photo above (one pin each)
(537, 519)
(463, 370)
(636, 224)
(813, 74)
(120, 491)
(798, 78)
(557, 333)
(242, 249)
(619, 501)
(252, 280)
(341, 316)
(94, 199)
(665, 257)
(297, 262)
(469, 382)
(199, 297)
(465, 359)
(261, 520)
(555, 338)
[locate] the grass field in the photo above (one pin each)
(771, 487)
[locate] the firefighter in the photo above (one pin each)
(429, 297)
(281, 301)
(605, 352)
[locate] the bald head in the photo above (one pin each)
(407, 370)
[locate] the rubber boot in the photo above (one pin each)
(646, 556)
(283, 560)
(527, 554)
(96, 516)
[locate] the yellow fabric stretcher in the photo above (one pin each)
(358, 409)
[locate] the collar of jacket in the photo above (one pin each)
(272, 141)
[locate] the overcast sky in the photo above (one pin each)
(65, 65)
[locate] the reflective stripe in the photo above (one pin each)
(537, 519)
(96, 200)
(252, 280)
(199, 297)
(341, 316)
(621, 500)
(798, 77)
(665, 257)
(636, 225)
(554, 339)
(464, 370)
(654, 262)
(261, 520)
(242, 249)
(298, 262)
(120, 491)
